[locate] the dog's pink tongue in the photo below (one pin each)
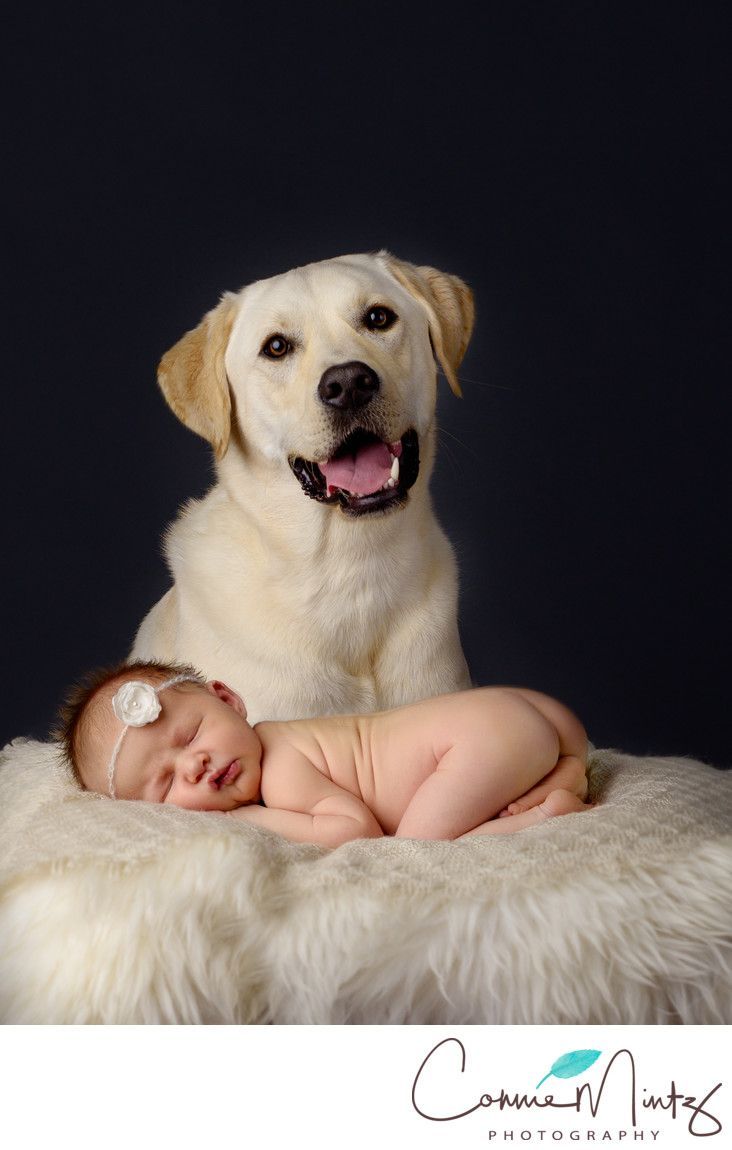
(361, 474)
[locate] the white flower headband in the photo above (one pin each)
(136, 704)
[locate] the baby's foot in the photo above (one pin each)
(559, 802)
(562, 802)
(570, 774)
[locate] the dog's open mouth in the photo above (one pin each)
(365, 473)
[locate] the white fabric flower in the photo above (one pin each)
(136, 703)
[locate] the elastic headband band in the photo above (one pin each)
(136, 704)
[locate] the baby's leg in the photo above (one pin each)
(570, 773)
(556, 803)
(504, 746)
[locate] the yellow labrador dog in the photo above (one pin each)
(314, 577)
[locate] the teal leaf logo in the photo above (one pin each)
(570, 1064)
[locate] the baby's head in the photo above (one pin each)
(160, 732)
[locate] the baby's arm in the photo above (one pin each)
(308, 807)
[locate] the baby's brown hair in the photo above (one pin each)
(75, 720)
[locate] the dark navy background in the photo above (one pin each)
(567, 160)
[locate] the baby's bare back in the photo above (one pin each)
(383, 758)
(380, 758)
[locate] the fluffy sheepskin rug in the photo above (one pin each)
(134, 913)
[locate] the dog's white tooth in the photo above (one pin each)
(394, 470)
(391, 482)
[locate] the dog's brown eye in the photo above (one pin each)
(379, 318)
(275, 347)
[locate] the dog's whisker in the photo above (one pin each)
(466, 446)
(479, 382)
(449, 455)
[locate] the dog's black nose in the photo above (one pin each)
(348, 385)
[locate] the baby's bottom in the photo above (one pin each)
(522, 749)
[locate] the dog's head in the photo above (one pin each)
(326, 373)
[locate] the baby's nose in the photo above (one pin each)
(196, 766)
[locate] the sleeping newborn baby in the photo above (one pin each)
(478, 762)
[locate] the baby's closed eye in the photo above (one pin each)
(192, 733)
(184, 736)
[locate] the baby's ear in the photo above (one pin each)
(227, 695)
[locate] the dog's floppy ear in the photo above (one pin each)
(192, 377)
(450, 310)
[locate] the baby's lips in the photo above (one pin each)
(225, 775)
(214, 779)
(222, 778)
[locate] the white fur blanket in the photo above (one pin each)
(130, 912)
